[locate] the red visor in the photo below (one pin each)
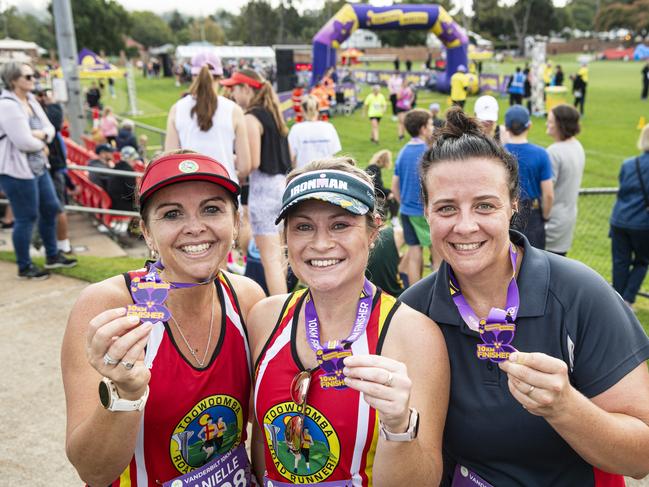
(176, 168)
(239, 78)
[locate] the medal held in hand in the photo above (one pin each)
(497, 332)
(149, 294)
(330, 356)
(498, 328)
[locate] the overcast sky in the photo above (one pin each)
(191, 7)
(206, 7)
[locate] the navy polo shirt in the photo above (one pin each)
(566, 311)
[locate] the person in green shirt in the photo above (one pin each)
(374, 106)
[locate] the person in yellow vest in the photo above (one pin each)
(459, 86)
(375, 105)
(547, 73)
(582, 73)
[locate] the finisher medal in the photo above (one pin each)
(498, 328)
(330, 356)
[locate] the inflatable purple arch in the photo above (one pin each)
(422, 17)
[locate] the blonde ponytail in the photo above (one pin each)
(267, 98)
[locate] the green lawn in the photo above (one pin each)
(609, 135)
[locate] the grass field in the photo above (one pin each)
(609, 135)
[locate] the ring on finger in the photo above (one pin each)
(531, 389)
(127, 365)
(388, 381)
(108, 360)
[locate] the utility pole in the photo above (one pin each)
(66, 43)
(3, 12)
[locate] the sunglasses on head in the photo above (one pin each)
(295, 426)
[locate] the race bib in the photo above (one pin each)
(463, 477)
(229, 470)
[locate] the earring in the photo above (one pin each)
(154, 254)
(234, 243)
(372, 245)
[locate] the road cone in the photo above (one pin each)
(641, 123)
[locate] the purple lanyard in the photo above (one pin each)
(331, 355)
(155, 268)
(498, 328)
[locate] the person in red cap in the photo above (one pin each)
(270, 161)
(182, 348)
(207, 122)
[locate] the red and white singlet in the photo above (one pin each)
(342, 427)
(181, 418)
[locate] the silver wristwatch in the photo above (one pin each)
(409, 435)
(111, 401)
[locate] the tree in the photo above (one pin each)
(177, 21)
(256, 24)
(26, 27)
(205, 29)
(100, 24)
(149, 29)
(633, 16)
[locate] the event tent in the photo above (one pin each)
(91, 65)
(227, 52)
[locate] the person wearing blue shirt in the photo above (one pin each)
(406, 189)
(630, 224)
(535, 173)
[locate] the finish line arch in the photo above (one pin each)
(415, 17)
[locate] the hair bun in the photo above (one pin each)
(458, 123)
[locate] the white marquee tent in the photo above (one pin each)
(227, 52)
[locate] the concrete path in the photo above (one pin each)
(32, 407)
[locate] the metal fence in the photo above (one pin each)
(155, 135)
(592, 245)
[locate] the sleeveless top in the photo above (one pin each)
(275, 157)
(218, 141)
(187, 406)
(342, 435)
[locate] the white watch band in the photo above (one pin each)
(118, 404)
(409, 435)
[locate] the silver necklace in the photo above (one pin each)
(201, 363)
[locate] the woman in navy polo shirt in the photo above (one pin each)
(548, 381)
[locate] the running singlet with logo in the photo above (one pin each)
(192, 415)
(340, 428)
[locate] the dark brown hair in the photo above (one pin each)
(567, 121)
(416, 119)
(265, 97)
(202, 89)
(460, 139)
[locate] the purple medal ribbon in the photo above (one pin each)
(498, 328)
(150, 293)
(330, 356)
